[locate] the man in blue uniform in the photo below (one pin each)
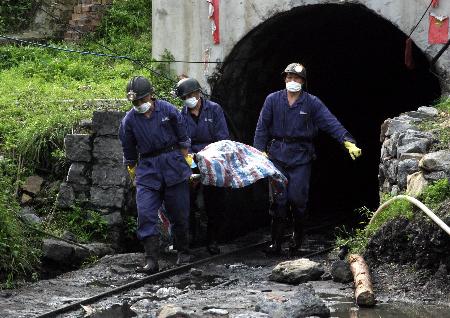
(287, 124)
(155, 143)
(206, 124)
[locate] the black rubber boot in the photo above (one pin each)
(182, 246)
(297, 236)
(277, 229)
(151, 247)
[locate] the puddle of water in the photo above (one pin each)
(345, 307)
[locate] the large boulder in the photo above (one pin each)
(78, 147)
(298, 271)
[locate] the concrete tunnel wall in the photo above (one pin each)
(354, 56)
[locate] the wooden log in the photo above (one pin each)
(363, 285)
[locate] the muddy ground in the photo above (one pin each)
(233, 285)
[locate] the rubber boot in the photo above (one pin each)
(297, 236)
(182, 245)
(151, 247)
(277, 232)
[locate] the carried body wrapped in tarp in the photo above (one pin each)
(233, 164)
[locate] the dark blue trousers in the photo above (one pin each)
(295, 199)
(176, 202)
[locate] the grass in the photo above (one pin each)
(44, 93)
(357, 241)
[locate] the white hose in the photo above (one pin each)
(417, 203)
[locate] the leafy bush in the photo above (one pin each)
(15, 14)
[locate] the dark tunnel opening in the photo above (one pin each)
(355, 64)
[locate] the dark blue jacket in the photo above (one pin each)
(141, 135)
(286, 132)
(211, 126)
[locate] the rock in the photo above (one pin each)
(167, 291)
(33, 185)
(326, 276)
(216, 312)
(57, 251)
(304, 303)
(173, 311)
(420, 145)
(436, 161)
(107, 122)
(107, 150)
(85, 124)
(412, 155)
(77, 173)
(405, 168)
(297, 271)
(390, 170)
(109, 175)
(416, 183)
(100, 249)
(395, 190)
(196, 272)
(107, 197)
(251, 314)
(66, 196)
(113, 219)
(340, 270)
(396, 125)
(31, 218)
(25, 199)
(436, 175)
(78, 147)
(428, 111)
(67, 235)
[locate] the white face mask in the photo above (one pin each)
(191, 102)
(143, 108)
(293, 86)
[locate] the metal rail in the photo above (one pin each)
(157, 276)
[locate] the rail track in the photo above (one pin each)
(171, 272)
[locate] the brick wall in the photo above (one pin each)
(86, 16)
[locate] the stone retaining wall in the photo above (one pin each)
(408, 160)
(97, 179)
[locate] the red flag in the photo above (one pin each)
(409, 61)
(438, 30)
(214, 17)
(435, 3)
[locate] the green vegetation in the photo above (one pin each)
(432, 197)
(16, 14)
(44, 93)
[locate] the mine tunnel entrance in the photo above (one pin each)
(355, 65)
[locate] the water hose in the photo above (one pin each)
(417, 203)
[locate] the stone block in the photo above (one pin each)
(428, 111)
(78, 147)
(109, 175)
(66, 196)
(411, 155)
(436, 175)
(436, 161)
(78, 173)
(107, 150)
(113, 219)
(33, 184)
(107, 122)
(416, 146)
(416, 183)
(405, 168)
(107, 197)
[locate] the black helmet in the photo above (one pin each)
(295, 68)
(186, 86)
(138, 87)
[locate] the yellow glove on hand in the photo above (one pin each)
(132, 172)
(265, 154)
(190, 160)
(354, 151)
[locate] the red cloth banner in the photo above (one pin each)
(438, 30)
(214, 17)
(435, 3)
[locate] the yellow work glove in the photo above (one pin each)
(354, 151)
(132, 172)
(190, 160)
(265, 154)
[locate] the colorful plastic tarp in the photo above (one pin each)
(233, 164)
